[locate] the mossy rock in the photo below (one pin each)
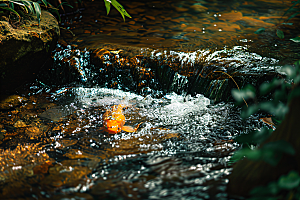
(25, 49)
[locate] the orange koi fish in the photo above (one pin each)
(114, 120)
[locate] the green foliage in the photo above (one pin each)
(55, 10)
(260, 30)
(2, 6)
(286, 186)
(118, 6)
(33, 8)
(30, 7)
(270, 152)
(255, 137)
(282, 91)
(280, 34)
(289, 182)
(296, 39)
(247, 93)
(293, 11)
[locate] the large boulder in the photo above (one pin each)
(25, 49)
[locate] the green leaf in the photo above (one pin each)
(45, 2)
(52, 9)
(278, 109)
(23, 5)
(290, 181)
(265, 88)
(245, 152)
(38, 11)
(273, 188)
(298, 61)
(11, 10)
(270, 156)
(280, 95)
(11, 5)
(29, 6)
(280, 34)
(255, 137)
(289, 70)
(291, 8)
(296, 39)
(248, 92)
(270, 152)
(276, 120)
(293, 15)
(107, 5)
(249, 111)
(280, 146)
(65, 4)
(120, 8)
(260, 30)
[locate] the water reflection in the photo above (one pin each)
(181, 25)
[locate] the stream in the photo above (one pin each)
(53, 141)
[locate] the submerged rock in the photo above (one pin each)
(9, 102)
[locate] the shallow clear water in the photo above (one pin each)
(181, 150)
(185, 26)
(53, 145)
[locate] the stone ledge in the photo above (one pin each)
(25, 49)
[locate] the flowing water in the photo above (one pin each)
(181, 149)
(53, 144)
(186, 26)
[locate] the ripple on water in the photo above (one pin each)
(180, 151)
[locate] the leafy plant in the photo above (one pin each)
(270, 153)
(34, 7)
(294, 11)
(118, 6)
(283, 91)
(30, 7)
(285, 186)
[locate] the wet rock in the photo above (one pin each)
(33, 132)
(212, 73)
(20, 124)
(224, 70)
(56, 113)
(68, 66)
(11, 101)
(2, 132)
(25, 49)
(71, 176)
